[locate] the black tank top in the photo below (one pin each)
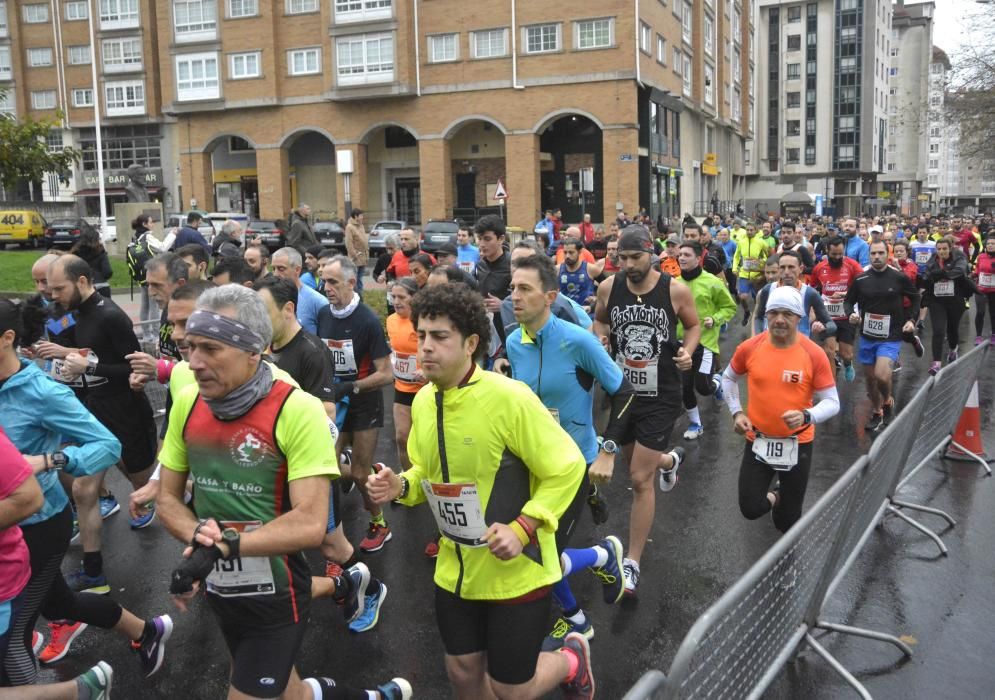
(644, 336)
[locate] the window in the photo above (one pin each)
(118, 14)
(891, 167)
(794, 99)
(934, 131)
(195, 20)
(39, 57)
(795, 42)
(644, 37)
(678, 61)
(443, 47)
(124, 98)
(361, 10)
(709, 36)
(661, 50)
(848, 64)
(299, 7)
(894, 52)
(893, 71)
(735, 25)
(934, 163)
(791, 156)
(848, 5)
(365, 59)
(688, 75)
(83, 97)
(43, 99)
(846, 123)
(3, 18)
(303, 61)
(244, 65)
(54, 142)
(936, 68)
(933, 181)
(490, 43)
(542, 38)
(79, 55)
(7, 102)
(844, 153)
(737, 67)
(5, 67)
(709, 85)
(794, 127)
(794, 71)
(687, 23)
(794, 14)
(76, 10)
(121, 55)
(594, 33)
(737, 105)
(35, 14)
(242, 8)
(197, 77)
(934, 148)
(934, 101)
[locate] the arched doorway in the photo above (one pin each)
(311, 160)
(235, 184)
(476, 150)
(571, 167)
(393, 178)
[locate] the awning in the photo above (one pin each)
(95, 192)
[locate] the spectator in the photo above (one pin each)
(357, 245)
(300, 235)
(190, 234)
(229, 241)
(196, 260)
(587, 231)
(89, 247)
(257, 258)
(234, 271)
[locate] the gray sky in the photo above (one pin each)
(950, 23)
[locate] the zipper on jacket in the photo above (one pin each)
(444, 463)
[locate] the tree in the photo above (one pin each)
(971, 100)
(24, 153)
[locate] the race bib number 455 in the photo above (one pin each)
(457, 512)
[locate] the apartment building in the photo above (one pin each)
(910, 119)
(822, 83)
(45, 64)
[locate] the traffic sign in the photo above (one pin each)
(500, 193)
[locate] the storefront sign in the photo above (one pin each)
(152, 177)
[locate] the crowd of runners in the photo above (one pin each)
(521, 375)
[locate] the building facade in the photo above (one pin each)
(822, 83)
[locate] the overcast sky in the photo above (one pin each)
(950, 22)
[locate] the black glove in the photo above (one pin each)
(343, 389)
(195, 568)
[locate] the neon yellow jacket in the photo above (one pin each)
(498, 435)
(754, 250)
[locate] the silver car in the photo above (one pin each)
(379, 232)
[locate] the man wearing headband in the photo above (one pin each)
(259, 453)
(788, 370)
(636, 315)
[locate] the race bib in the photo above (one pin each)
(405, 366)
(751, 264)
(780, 454)
(243, 576)
(834, 308)
(943, 288)
(642, 374)
(466, 266)
(922, 257)
(877, 326)
(344, 356)
(555, 413)
(986, 279)
(457, 512)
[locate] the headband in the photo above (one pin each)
(225, 330)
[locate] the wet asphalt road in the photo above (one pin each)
(700, 545)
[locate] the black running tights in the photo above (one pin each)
(755, 479)
(945, 318)
(982, 301)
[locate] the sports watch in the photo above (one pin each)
(231, 537)
(609, 446)
(58, 460)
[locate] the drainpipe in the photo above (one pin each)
(417, 52)
(639, 75)
(514, 50)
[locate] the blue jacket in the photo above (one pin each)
(40, 415)
(191, 235)
(858, 249)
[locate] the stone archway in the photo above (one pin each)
(393, 174)
(570, 146)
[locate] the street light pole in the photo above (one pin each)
(96, 119)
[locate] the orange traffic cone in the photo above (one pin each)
(967, 445)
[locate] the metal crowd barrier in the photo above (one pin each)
(739, 645)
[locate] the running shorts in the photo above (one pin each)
(748, 286)
(870, 350)
(846, 332)
(334, 510)
(404, 398)
(128, 415)
(568, 521)
(653, 419)
(365, 412)
(509, 632)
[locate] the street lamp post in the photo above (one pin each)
(96, 118)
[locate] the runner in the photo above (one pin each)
(58, 434)
(494, 267)
(636, 316)
(747, 265)
(789, 267)
(984, 273)
(784, 372)
(904, 264)
(258, 452)
(468, 255)
(883, 321)
(256, 256)
(922, 250)
(856, 247)
(715, 306)
(832, 278)
(234, 271)
(196, 261)
(362, 366)
(498, 558)
(287, 264)
(577, 276)
(164, 273)
(560, 362)
(105, 337)
(947, 294)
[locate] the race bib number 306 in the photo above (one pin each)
(344, 356)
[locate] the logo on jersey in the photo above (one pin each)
(792, 376)
(247, 449)
(640, 331)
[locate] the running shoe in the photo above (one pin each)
(934, 367)
(108, 505)
(562, 627)
(978, 340)
(920, 325)
(376, 537)
(917, 346)
(151, 651)
(876, 422)
(98, 681)
(396, 689)
(888, 407)
(64, 633)
(693, 432)
(79, 582)
(432, 549)
(952, 356)
(849, 373)
(144, 519)
(668, 477)
(581, 686)
(353, 604)
(371, 610)
(332, 569)
(630, 571)
(37, 642)
(897, 367)
(598, 505)
(610, 574)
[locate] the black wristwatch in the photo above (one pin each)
(405, 487)
(231, 537)
(58, 460)
(807, 416)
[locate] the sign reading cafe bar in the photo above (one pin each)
(119, 178)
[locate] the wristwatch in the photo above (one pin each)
(58, 460)
(355, 388)
(231, 537)
(405, 487)
(808, 416)
(609, 446)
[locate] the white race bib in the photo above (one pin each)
(943, 288)
(344, 356)
(243, 576)
(751, 264)
(780, 454)
(642, 374)
(986, 279)
(834, 308)
(457, 512)
(877, 326)
(922, 257)
(405, 366)
(467, 266)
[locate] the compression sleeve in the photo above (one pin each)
(760, 311)
(816, 304)
(730, 388)
(828, 405)
(851, 298)
(621, 412)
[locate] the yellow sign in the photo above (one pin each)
(712, 158)
(710, 166)
(923, 198)
(884, 194)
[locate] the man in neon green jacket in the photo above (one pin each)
(498, 472)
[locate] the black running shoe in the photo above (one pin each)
(875, 423)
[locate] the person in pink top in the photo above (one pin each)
(984, 276)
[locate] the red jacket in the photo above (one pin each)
(985, 271)
(911, 270)
(398, 266)
(586, 232)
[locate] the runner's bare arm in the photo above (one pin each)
(683, 302)
(595, 269)
(176, 516)
(383, 375)
(600, 326)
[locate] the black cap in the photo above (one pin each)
(635, 238)
(356, 212)
(447, 249)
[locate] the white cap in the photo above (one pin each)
(787, 298)
(875, 229)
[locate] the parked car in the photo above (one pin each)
(379, 232)
(24, 227)
(330, 234)
(63, 233)
(436, 233)
(269, 233)
(175, 221)
(109, 234)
